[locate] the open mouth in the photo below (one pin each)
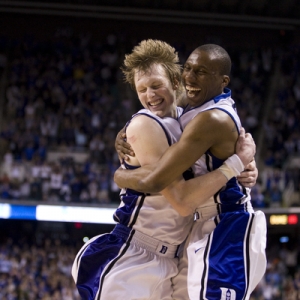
(156, 103)
(192, 92)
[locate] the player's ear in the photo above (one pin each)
(175, 84)
(225, 81)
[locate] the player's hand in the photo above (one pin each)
(245, 147)
(123, 149)
(249, 176)
(118, 172)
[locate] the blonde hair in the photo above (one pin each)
(151, 52)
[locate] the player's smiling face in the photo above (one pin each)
(156, 91)
(201, 78)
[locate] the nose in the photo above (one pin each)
(189, 74)
(150, 93)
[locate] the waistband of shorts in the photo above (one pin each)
(147, 242)
(208, 212)
(122, 231)
(155, 246)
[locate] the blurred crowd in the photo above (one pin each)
(279, 183)
(31, 272)
(42, 271)
(63, 96)
(282, 277)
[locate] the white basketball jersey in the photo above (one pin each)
(209, 162)
(152, 214)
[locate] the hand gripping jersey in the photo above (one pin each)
(139, 257)
(225, 254)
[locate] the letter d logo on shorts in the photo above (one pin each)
(228, 294)
(163, 249)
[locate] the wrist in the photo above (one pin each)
(232, 167)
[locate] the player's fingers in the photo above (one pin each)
(247, 182)
(247, 174)
(251, 166)
(121, 156)
(242, 132)
(248, 136)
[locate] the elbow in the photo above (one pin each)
(116, 180)
(185, 211)
(149, 186)
(183, 208)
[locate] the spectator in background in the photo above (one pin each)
(275, 197)
(288, 254)
(25, 189)
(56, 178)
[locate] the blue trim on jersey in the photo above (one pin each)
(226, 94)
(131, 199)
(221, 258)
(102, 253)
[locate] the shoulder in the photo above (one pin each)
(147, 139)
(144, 126)
(212, 117)
(210, 126)
(140, 121)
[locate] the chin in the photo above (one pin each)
(159, 114)
(195, 101)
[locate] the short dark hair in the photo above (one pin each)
(221, 54)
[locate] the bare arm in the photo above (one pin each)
(204, 132)
(186, 196)
(147, 140)
(149, 143)
(247, 178)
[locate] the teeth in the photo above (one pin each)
(191, 92)
(192, 89)
(155, 103)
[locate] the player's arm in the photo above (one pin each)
(186, 196)
(204, 131)
(247, 178)
(146, 139)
